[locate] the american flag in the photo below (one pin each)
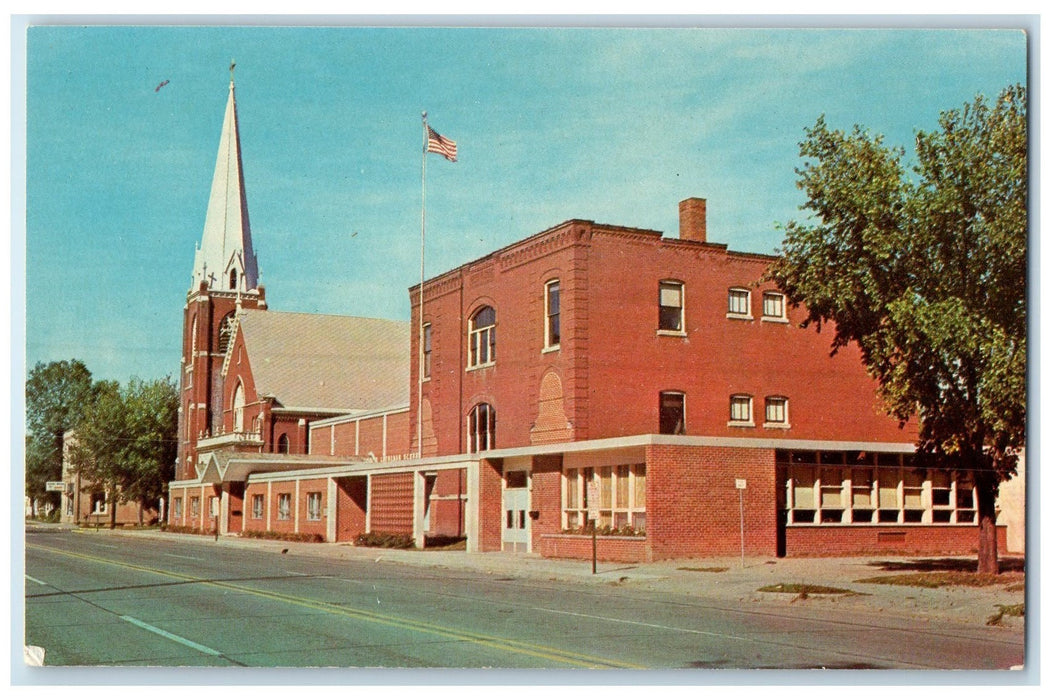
(436, 143)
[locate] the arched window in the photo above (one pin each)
(193, 339)
(239, 408)
(482, 338)
(481, 428)
(226, 329)
(233, 279)
(282, 444)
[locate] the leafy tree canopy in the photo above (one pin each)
(127, 439)
(57, 393)
(925, 269)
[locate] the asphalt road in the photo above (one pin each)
(125, 601)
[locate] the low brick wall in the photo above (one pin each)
(610, 547)
(912, 539)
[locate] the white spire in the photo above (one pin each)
(225, 259)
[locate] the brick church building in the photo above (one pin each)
(589, 373)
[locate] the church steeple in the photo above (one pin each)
(225, 280)
(225, 261)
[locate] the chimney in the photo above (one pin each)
(693, 224)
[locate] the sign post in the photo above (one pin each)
(741, 484)
(592, 497)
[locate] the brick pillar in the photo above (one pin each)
(490, 511)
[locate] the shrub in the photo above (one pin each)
(283, 536)
(387, 540)
(606, 530)
(184, 530)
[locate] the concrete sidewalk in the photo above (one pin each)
(727, 580)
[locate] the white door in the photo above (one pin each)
(515, 524)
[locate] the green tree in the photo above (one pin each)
(925, 269)
(57, 393)
(126, 441)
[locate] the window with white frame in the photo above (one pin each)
(257, 506)
(741, 410)
(481, 349)
(672, 303)
(426, 351)
(739, 303)
(195, 506)
(621, 492)
(177, 506)
(552, 315)
(481, 428)
(284, 506)
(856, 488)
(773, 306)
(776, 412)
(314, 505)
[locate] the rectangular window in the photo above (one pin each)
(739, 303)
(861, 496)
(741, 410)
(830, 493)
(776, 411)
(482, 340)
(195, 506)
(773, 305)
(671, 307)
(426, 351)
(912, 495)
(314, 505)
(552, 303)
(98, 503)
(284, 506)
(257, 506)
(672, 413)
(621, 491)
(177, 506)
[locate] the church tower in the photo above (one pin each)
(225, 280)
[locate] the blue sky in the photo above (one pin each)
(613, 125)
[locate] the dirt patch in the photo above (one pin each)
(944, 579)
(706, 569)
(948, 564)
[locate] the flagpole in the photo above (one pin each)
(423, 233)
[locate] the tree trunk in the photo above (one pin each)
(113, 508)
(987, 487)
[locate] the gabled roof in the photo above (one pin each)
(331, 363)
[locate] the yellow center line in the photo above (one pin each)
(535, 650)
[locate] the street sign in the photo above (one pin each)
(592, 500)
(56, 486)
(740, 483)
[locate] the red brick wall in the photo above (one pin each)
(351, 502)
(693, 507)
(235, 491)
(313, 527)
(612, 364)
(276, 489)
(398, 434)
(490, 509)
(447, 503)
(546, 498)
(391, 503)
(371, 437)
(251, 523)
(624, 549)
(863, 540)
